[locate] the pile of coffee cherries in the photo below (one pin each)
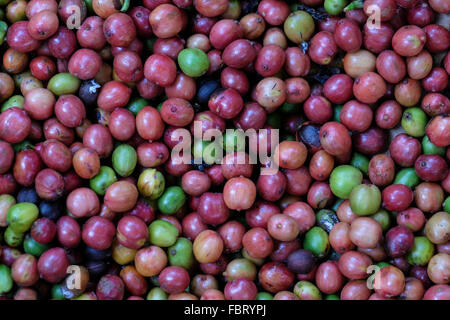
(96, 204)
